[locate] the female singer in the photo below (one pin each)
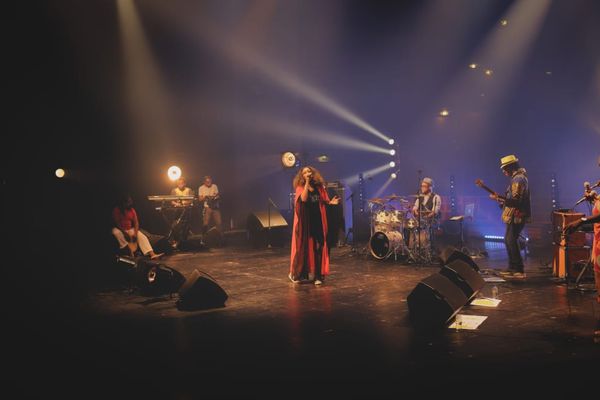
(310, 254)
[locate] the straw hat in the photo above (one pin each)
(505, 161)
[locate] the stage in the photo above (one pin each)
(353, 330)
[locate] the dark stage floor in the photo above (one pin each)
(353, 331)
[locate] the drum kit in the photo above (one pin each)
(396, 230)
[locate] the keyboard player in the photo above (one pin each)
(182, 190)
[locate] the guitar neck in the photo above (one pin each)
(487, 189)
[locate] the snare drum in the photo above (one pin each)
(383, 244)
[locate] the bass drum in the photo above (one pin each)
(383, 244)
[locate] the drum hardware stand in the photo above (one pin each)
(582, 287)
(269, 204)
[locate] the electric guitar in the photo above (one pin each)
(480, 183)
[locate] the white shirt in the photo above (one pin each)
(205, 191)
(437, 203)
(185, 192)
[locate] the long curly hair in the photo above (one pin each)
(316, 177)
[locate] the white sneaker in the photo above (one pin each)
(318, 282)
(292, 279)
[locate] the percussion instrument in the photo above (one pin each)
(383, 244)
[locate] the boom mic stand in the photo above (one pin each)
(270, 203)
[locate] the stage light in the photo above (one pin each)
(393, 175)
(391, 141)
(392, 152)
(444, 113)
(472, 65)
(354, 179)
(489, 72)
(174, 173)
(503, 22)
(288, 159)
(323, 158)
(392, 164)
(60, 173)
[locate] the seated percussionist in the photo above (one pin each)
(182, 190)
(127, 229)
(430, 204)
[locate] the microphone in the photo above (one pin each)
(589, 196)
(587, 188)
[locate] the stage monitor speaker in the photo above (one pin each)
(464, 277)
(259, 232)
(435, 301)
(199, 292)
(450, 254)
(193, 243)
(156, 279)
(159, 243)
(214, 238)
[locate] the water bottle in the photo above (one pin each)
(495, 292)
(458, 322)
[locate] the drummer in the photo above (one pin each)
(428, 204)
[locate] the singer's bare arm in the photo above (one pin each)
(593, 220)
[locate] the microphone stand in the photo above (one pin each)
(270, 202)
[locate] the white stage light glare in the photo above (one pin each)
(393, 175)
(60, 173)
(392, 152)
(288, 159)
(174, 172)
(391, 142)
(392, 164)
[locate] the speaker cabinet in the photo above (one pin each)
(156, 279)
(464, 277)
(201, 292)
(434, 301)
(337, 216)
(568, 260)
(266, 228)
(450, 254)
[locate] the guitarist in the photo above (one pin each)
(516, 212)
(127, 230)
(208, 194)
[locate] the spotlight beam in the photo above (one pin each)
(383, 187)
(241, 53)
(353, 179)
(276, 126)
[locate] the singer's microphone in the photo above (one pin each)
(589, 194)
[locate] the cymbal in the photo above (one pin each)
(398, 199)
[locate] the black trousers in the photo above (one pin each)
(318, 250)
(511, 240)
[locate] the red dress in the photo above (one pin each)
(303, 246)
(596, 245)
